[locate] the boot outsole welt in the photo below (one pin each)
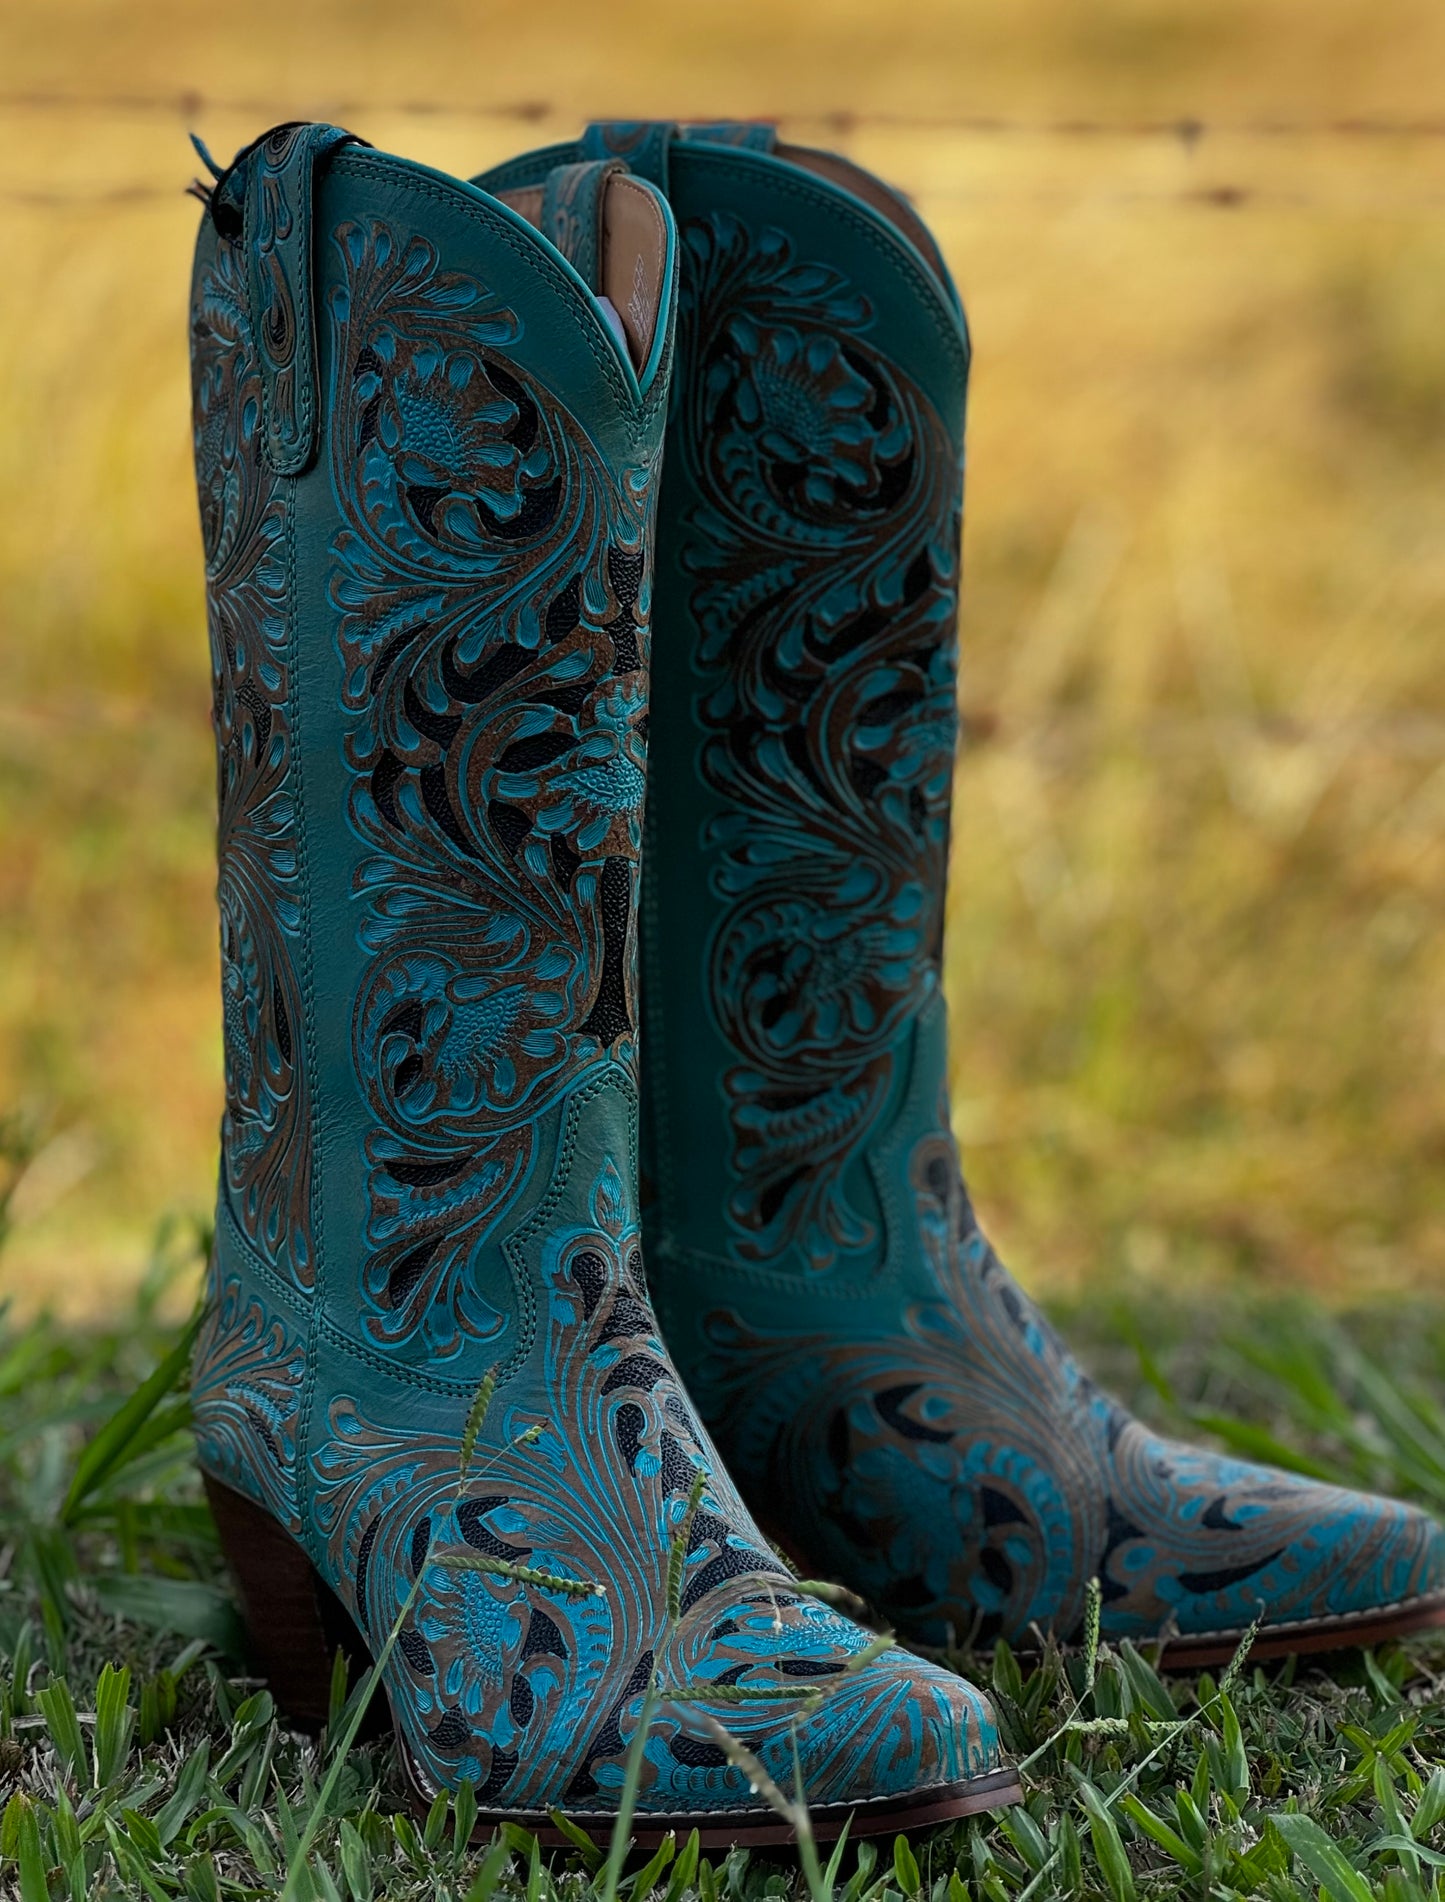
(1354, 1631)
(1305, 1637)
(759, 1828)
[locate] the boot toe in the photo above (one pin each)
(868, 1729)
(513, 1675)
(1239, 1542)
(902, 1728)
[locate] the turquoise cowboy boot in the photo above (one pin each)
(433, 1411)
(894, 1410)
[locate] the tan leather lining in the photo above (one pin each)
(634, 256)
(527, 199)
(894, 207)
(634, 253)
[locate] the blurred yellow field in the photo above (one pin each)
(1196, 958)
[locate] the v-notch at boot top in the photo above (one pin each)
(430, 1397)
(892, 1406)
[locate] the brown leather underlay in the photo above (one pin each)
(634, 253)
(634, 256)
(526, 199)
(634, 239)
(890, 204)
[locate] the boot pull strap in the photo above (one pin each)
(645, 143)
(573, 197)
(754, 135)
(280, 204)
(266, 198)
(642, 142)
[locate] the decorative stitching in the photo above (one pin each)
(308, 993)
(491, 592)
(824, 543)
(637, 409)
(277, 1290)
(834, 206)
(536, 1223)
(1340, 1620)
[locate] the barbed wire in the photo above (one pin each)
(1215, 197)
(1191, 132)
(1187, 129)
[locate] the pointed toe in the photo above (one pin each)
(1318, 1567)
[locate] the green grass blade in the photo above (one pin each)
(645, 1881)
(34, 1886)
(1108, 1845)
(494, 1865)
(678, 1544)
(115, 1438)
(1256, 1443)
(464, 1817)
(1160, 1833)
(1326, 1862)
(1430, 1809)
(589, 1852)
(905, 1867)
(114, 1723)
(476, 1419)
(187, 1796)
(627, 1807)
(58, 1709)
(183, 1605)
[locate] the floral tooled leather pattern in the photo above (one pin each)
(534, 1692)
(246, 1382)
(280, 175)
(902, 1417)
(488, 593)
(265, 1138)
(961, 1470)
(491, 586)
(492, 594)
(826, 548)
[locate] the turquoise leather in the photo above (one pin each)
(572, 213)
(893, 1408)
(427, 475)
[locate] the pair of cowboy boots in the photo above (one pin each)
(462, 799)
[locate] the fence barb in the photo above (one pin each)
(188, 106)
(1213, 197)
(1186, 129)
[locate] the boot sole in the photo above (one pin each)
(1353, 1631)
(1304, 1637)
(296, 1624)
(755, 1828)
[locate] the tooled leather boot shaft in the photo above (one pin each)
(420, 562)
(427, 448)
(889, 1400)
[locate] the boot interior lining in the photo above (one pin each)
(633, 252)
(889, 203)
(634, 238)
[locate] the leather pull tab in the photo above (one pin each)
(278, 219)
(754, 135)
(642, 142)
(572, 201)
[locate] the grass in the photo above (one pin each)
(138, 1759)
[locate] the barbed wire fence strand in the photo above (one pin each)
(1222, 197)
(1188, 132)
(1186, 128)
